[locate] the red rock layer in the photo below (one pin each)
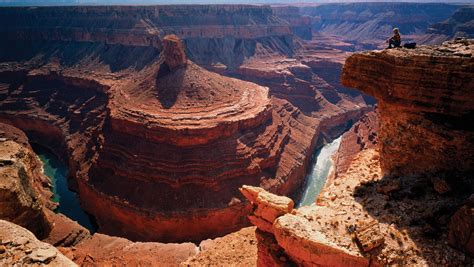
(425, 116)
(213, 33)
(362, 135)
(25, 200)
(24, 189)
(161, 147)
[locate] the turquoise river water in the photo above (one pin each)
(69, 203)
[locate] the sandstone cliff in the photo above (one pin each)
(405, 207)
(425, 104)
(87, 95)
(213, 33)
(24, 190)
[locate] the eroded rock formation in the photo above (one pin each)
(368, 25)
(174, 52)
(25, 200)
(90, 94)
(388, 208)
(19, 247)
(425, 101)
(24, 190)
(285, 237)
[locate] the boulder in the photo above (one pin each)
(20, 247)
(461, 228)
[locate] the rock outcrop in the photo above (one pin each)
(285, 238)
(362, 135)
(425, 102)
(461, 228)
(24, 189)
(174, 52)
(19, 247)
(388, 208)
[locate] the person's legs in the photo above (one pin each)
(390, 43)
(396, 44)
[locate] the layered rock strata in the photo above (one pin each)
(194, 133)
(213, 33)
(368, 25)
(198, 139)
(459, 25)
(25, 200)
(24, 190)
(426, 105)
(300, 24)
(376, 211)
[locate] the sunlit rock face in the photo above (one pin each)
(426, 105)
(157, 146)
(24, 191)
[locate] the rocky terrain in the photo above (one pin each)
(163, 112)
(24, 189)
(20, 247)
(460, 24)
(396, 207)
(414, 102)
(368, 25)
(69, 93)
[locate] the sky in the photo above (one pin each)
(151, 2)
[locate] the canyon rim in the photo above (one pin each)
(170, 135)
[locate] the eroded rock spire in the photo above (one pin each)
(174, 52)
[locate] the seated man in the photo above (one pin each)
(395, 41)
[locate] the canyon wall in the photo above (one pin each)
(401, 196)
(370, 24)
(197, 136)
(225, 34)
(425, 103)
(460, 24)
(300, 24)
(24, 190)
(25, 200)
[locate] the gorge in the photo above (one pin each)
(176, 122)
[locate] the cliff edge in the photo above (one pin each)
(426, 103)
(405, 198)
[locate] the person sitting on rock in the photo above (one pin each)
(395, 41)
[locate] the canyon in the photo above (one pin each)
(163, 113)
(388, 202)
(67, 94)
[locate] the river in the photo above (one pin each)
(321, 168)
(69, 203)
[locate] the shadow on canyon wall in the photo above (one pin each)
(78, 54)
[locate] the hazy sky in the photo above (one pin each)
(149, 2)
